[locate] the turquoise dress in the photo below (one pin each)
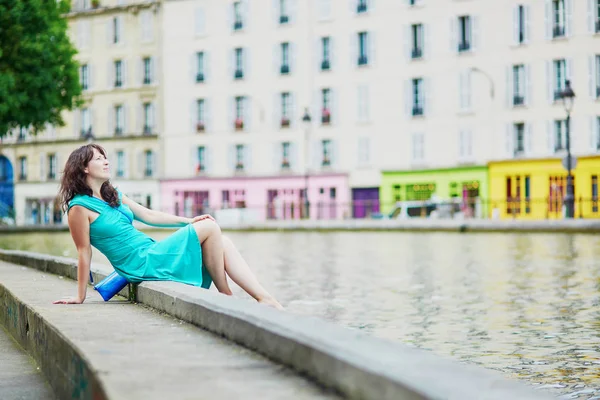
(138, 257)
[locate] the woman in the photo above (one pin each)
(101, 216)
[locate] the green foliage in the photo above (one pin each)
(39, 76)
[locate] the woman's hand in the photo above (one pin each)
(201, 217)
(72, 300)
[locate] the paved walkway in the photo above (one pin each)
(19, 377)
(139, 353)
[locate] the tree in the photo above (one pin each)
(38, 74)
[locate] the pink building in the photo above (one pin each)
(266, 197)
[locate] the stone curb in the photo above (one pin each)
(350, 362)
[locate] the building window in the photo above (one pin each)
(519, 139)
(285, 58)
(119, 120)
(147, 70)
(465, 90)
(239, 113)
(326, 153)
(148, 118)
(285, 109)
(149, 163)
(52, 166)
(200, 116)
(595, 193)
(285, 155)
(239, 63)
(520, 24)
(23, 168)
(201, 155)
(237, 14)
(200, 66)
(84, 76)
(118, 73)
(465, 33)
(418, 147)
(239, 157)
(361, 6)
(325, 52)
(518, 74)
(116, 30)
(363, 103)
(417, 42)
(559, 17)
(560, 137)
(364, 151)
(560, 76)
(418, 98)
(120, 163)
(325, 106)
(86, 123)
(596, 15)
(284, 17)
(363, 49)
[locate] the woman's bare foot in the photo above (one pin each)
(272, 303)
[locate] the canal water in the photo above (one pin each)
(527, 305)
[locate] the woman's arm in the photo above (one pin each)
(153, 217)
(79, 225)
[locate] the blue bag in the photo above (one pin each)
(110, 285)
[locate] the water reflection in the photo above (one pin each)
(524, 304)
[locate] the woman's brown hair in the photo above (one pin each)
(73, 178)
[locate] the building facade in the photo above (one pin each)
(118, 47)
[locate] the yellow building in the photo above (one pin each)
(118, 45)
(535, 188)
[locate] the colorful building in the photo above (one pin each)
(259, 198)
(469, 184)
(536, 188)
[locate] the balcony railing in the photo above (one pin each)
(87, 133)
(325, 117)
(147, 80)
(199, 77)
(22, 177)
(51, 176)
(363, 60)
(148, 172)
(285, 122)
(417, 110)
(558, 147)
(120, 173)
(200, 126)
(597, 92)
(325, 65)
(416, 53)
(598, 26)
(518, 100)
(84, 85)
(284, 19)
(239, 166)
(147, 130)
(237, 25)
(361, 7)
(598, 144)
(239, 74)
(285, 164)
(118, 83)
(239, 124)
(518, 151)
(118, 131)
(326, 162)
(285, 69)
(464, 46)
(558, 31)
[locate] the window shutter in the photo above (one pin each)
(549, 83)
(510, 133)
(334, 154)
(408, 98)
(121, 31)
(276, 11)
(408, 40)
(200, 24)
(453, 34)
(140, 116)
(124, 73)
(509, 86)
(548, 19)
(591, 16)
(206, 66)
(550, 136)
(194, 162)
(528, 138)
(247, 114)
(155, 69)
(125, 119)
(125, 164)
(155, 165)
(43, 157)
(292, 110)
(475, 33)
(208, 159)
(527, 11)
(110, 73)
(516, 30)
(426, 42)
(90, 77)
(372, 46)
(246, 13)
(568, 17)
(592, 76)
(140, 163)
(353, 49)
(139, 76)
(109, 32)
(427, 96)
(111, 120)
(292, 58)
(528, 86)
(333, 54)
(208, 120)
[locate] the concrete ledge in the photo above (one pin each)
(408, 225)
(350, 362)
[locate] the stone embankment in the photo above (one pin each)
(152, 348)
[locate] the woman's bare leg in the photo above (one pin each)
(209, 235)
(239, 271)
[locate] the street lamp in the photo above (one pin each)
(306, 121)
(568, 98)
